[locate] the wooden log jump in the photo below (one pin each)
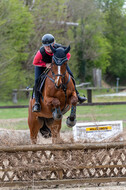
(49, 165)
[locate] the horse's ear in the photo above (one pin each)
(67, 49)
(53, 49)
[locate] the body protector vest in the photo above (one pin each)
(48, 58)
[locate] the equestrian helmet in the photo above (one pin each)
(47, 39)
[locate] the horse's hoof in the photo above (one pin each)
(70, 123)
(56, 116)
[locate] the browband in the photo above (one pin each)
(59, 61)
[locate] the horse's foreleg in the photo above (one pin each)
(71, 120)
(55, 103)
(57, 114)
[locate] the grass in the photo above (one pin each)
(84, 113)
(10, 103)
(13, 113)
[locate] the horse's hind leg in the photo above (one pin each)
(34, 129)
(34, 125)
(45, 131)
(55, 131)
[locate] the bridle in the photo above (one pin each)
(58, 75)
(59, 58)
(63, 84)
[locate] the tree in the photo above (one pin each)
(49, 17)
(115, 33)
(16, 28)
(91, 49)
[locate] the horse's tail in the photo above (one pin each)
(45, 131)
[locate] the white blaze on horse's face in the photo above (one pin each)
(57, 81)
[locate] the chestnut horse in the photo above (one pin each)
(59, 96)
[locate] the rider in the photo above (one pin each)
(42, 60)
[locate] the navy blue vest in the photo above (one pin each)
(48, 58)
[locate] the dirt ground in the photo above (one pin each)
(108, 187)
(93, 188)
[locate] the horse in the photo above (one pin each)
(58, 97)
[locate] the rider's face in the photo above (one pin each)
(47, 48)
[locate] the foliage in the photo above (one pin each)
(95, 29)
(115, 33)
(118, 40)
(91, 49)
(16, 27)
(49, 17)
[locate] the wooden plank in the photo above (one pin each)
(65, 182)
(57, 147)
(83, 84)
(102, 104)
(103, 88)
(83, 104)
(15, 106)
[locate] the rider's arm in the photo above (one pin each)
(38, 60)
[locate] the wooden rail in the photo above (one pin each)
(84, 104)
(58, 147)
(88, 89)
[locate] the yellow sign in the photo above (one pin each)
(103, 128)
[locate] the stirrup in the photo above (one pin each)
(36, 107)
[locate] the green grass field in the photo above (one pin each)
(17, 118)
(84, 114)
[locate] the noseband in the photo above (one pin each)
(58, 75)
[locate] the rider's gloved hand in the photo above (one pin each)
(48, 65)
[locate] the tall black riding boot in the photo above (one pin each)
(36, 107)
(80, 98)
